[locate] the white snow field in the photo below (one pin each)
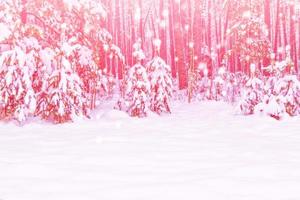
(203, 151)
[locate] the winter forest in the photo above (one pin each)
(149, 99)
(61, 59)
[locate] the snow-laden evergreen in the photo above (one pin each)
(277, 95)
(54, 70)
(281, 97)
(224, 86)
(251, 95)
(59, 51)
(161, 85)
(65, 97)
(251, 41)
(137, 91)
(17, 92)
(137, 86)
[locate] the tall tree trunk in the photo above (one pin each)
(109, 26)
(172, 39)
(24, 12)
(284, 28)
(119, 35)
(218, 34)
(141, 31)
(132, 31)
(293, 36)
(198, 28)
(267, 7)
(208, 36)
(298, 39)
(179, 46)
(190, 35)
(277, 27)
(162, 30)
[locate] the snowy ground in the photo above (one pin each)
(202, 151)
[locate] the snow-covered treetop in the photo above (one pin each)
(138, 53)
(64, 25)
(251, 43)
(158, 64)
(54, 18)
(156, 45)
(94, 7)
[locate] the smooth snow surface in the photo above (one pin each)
(201, 151)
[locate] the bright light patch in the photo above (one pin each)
(5, 32)
(137, 14)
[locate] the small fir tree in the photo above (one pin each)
(159, 74)
(137, 85)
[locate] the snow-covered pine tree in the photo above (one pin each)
(159, 74)
(276, 96)
(271, 104)
(66, 32)
(223, 86)
(219, 84)
(239, 82)
(95, 82)
(64, 97)
(283, 98)
(252, 94)
(288, 90)
(137, 85)
(281, 91)
(17, 91)
(251, 43)
(203, 87)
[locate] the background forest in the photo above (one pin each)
(61, 58)
(230, 32)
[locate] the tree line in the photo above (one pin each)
(231, 33)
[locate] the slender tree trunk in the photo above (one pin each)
(267, 7)
(293, 36)
(119, 35)
(24, 12)
(218, 35)
(132, 31)
(109, 26)
(208, 36)
(141, 31)
(277, 27)
(179, 46)
(298, 39)
(172, 39)
(162, 32)
(198, 28)
(284, 29)
(191, 71)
